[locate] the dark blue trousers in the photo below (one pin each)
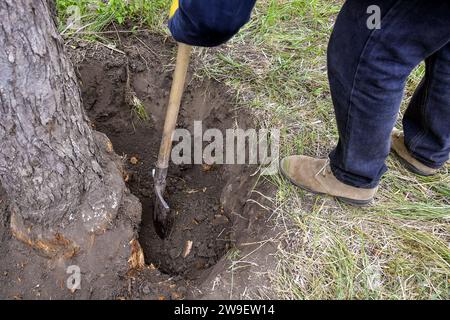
(368, 69)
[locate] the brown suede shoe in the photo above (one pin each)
(413, 165)
(315, 175)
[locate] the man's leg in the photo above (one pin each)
(427, 120)
(368, 69)
(367, 72)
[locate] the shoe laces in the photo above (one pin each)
(326, 169)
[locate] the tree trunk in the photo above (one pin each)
(63, 179)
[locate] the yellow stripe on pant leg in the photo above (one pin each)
(173, 8)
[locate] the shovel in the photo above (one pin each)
(161, 214)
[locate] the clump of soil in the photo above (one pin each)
(204, 199)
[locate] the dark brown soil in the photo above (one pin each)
(193, 191)
(209, 203)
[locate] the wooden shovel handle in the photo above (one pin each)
(176, 93)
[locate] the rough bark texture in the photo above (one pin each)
(53, 11)
(63, 179)
(48, 155)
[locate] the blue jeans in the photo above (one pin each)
(368, 69)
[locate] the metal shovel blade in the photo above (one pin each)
(161, 211)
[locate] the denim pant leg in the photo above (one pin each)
(367, 71)
(427, 120)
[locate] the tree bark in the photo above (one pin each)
(53, 11)
(63, 179)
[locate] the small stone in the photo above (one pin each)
(206, 167)
(219, 220)
(134, 160)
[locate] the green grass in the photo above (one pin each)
(139, 109)
(93, 16)
(396, 249)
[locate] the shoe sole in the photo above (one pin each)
(410, 167)
(353, 202)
